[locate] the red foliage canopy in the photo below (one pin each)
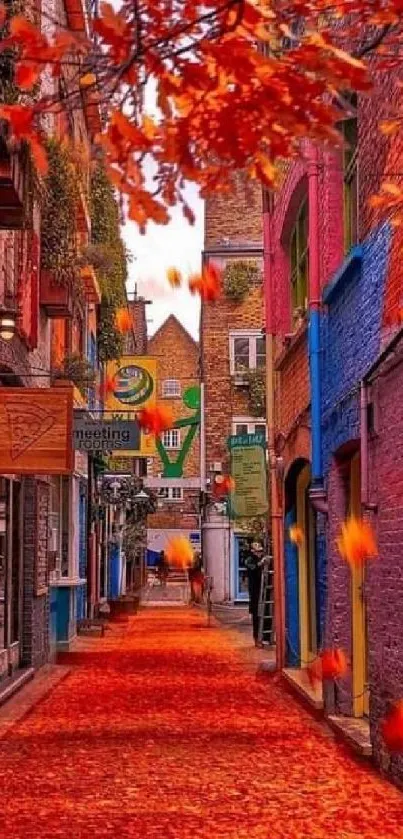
(196, 90)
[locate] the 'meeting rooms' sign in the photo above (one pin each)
(105, 435)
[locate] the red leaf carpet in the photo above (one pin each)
(161, 731)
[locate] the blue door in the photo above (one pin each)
(241, 547)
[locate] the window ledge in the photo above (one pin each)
(352, 263)
(298, 682)
(291, 342)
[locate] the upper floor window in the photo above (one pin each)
(247, 351)
(299, 256)
(246, 426)
(171, 388)
(349, 130)
(172, 438)
(171, 493)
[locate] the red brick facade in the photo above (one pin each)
(177, 357)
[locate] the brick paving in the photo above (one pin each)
(166, 728)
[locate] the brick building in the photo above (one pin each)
(232, 345)
(175, 471)
(333, 294)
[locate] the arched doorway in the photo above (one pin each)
(302, 607)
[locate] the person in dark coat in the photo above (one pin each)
(254, 565)
(162, 569)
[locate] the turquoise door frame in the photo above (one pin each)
(241, 591)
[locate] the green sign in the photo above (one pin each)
(248, 469)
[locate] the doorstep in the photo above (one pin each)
(353, 731)
(15, 683)
(298, 682)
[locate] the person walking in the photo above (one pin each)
(162, 569)
(196, 579)
(254, 565)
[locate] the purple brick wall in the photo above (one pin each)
(384, 587)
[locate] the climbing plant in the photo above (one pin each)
(238, 278)
(112, 263)
(9, 90)
(256, 381)
(78, 370)
(58, 228)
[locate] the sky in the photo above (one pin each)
(177, 245)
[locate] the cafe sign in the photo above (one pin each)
(105, 435)
(35, 431)
(248, 469)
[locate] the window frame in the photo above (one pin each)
(349, 125)
(169, 498)
(252, 335)
(250, 423)
(299, 263)
(166, 439)
(166, 394)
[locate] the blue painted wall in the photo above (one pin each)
(350, 336)
(64, 626)
(82, 559)
(291, 594)
(114, 571)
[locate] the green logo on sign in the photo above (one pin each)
(134, 385)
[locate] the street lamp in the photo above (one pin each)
(8, 324)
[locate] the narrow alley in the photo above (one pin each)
(162, 728)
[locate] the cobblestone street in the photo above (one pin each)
(162, 729)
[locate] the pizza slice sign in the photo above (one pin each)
(27, 424)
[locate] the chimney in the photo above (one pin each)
(137, 308)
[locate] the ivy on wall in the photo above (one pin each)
(239, 277)
(112, 263)
(9, 91)
(58, 217)
(256, 381)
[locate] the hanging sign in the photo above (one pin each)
(248, 469)
(36, 430)
(135, 388)
(105, 435)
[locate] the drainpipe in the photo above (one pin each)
(317, 492)
(364, 445)
(276, 516)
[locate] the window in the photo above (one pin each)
(171, 388)
(247, 351)
(299, 261)
(171, 493)
(246, 426)
(172, 438)
(349, 130)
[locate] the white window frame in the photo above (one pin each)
(251, 334)
(167, 437)
(171, 497)
(250, 422)
(171, 393)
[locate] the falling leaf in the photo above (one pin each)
(88, 79)
(356, 542)
(157, 419)
(392, 728)
(223, 485)
(123, 320)
(207, 284)
(296, 535)
(331, 664)
(174, 277)
(389, 126)
(179, 552)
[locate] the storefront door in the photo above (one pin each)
(10, 576)
(241, 548)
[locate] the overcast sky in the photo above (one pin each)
(178, 245)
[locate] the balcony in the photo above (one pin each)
(56, 299)
(11, 188)
(91, 287)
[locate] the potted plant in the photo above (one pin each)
(75, 369)
(239, 277)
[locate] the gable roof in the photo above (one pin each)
(172, 320)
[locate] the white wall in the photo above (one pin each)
(217, 542)
(157, 539)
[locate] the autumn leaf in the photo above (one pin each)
(179, 552)
(356, 542)
(389, 126)
(296, 535)
(207, 284)
(26, 75)
(174, 277)
(392, 728)
(88, 79)
(329, 665)
(156, 419)
(123, 320)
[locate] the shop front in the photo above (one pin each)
(10, 576)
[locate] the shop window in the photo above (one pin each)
(299, 261)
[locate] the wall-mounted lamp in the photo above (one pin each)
(8, 324)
